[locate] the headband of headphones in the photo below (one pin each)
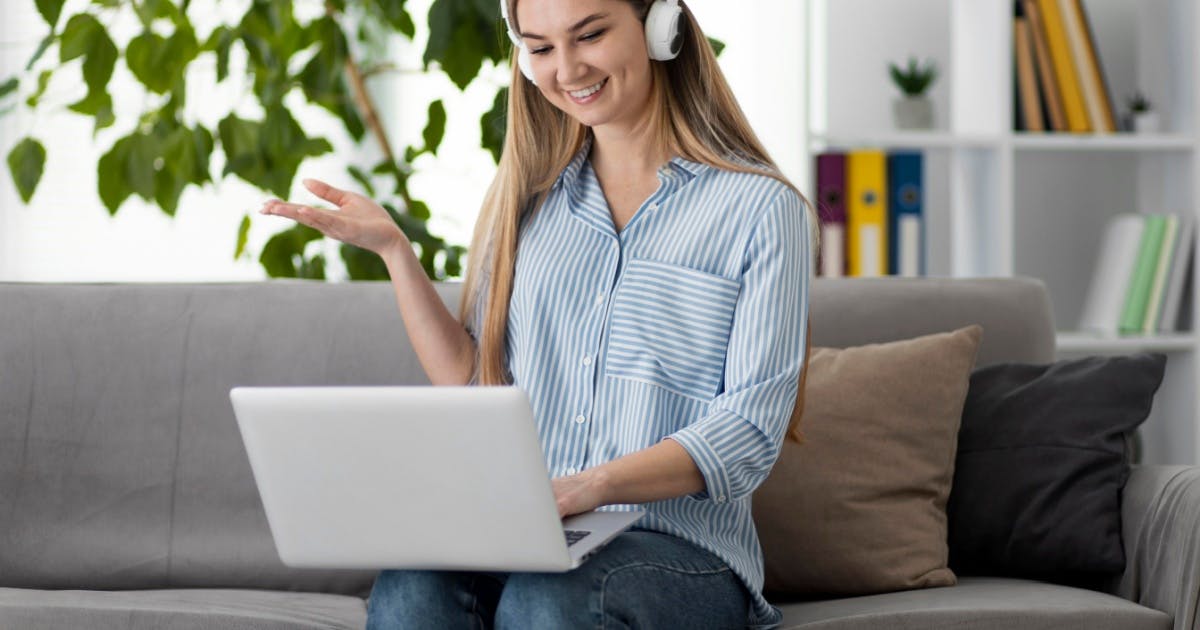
(664, 34)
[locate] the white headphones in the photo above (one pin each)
(664, 34)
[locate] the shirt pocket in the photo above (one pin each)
(670, 328)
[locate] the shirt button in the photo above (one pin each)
(600, 299)
(570, 471)
(720, 498)
(580, 419)
(652, 206)
(587, 360)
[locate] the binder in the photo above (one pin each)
(1030, 107)
(1084, 57)
(1064, 67)
(1095, 69)
(866, 213)
(1134, 312)
(1181, 261)
(906, 219)
(1161, 269)
(1046, 79)
(831, 210)
(1111, 274)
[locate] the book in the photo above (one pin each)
(831, 210)
(1134, 312)
(1083, 57)
(1095, 68)
(1161, 270)
(906, 218)
(1064, 67)
(1027, 90)
(1046, 78)
(1111, 274)
(1181, 263)
(866, 213)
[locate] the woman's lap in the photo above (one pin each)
(641, 579)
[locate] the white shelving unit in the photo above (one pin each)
(1003, 203)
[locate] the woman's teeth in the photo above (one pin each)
(584, 93)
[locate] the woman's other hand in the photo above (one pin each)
(578, 493)
(358, 220)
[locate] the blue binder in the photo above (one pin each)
(906, 221)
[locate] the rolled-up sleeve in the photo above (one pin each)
(736, 442)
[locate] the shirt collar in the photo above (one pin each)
(569, 176)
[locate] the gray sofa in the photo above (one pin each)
(126, 500)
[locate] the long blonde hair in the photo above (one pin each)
(696, 115)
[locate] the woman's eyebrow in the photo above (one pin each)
(578, 25)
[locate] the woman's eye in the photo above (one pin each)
(592, 35)
(539, 51)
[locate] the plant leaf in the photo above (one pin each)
(9, 86)
(435, 128)
(43, 81)
(50, 10)
(242, 236)
(362, 264)
(362, 178)
(41, 49)
(492, 125)
(282, 251)
(26, 162)
(717, 46)
(111, 177)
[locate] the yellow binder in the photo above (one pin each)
(1064, 67)
(866, 213)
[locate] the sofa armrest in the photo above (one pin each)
(1160, 520)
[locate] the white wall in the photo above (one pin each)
(65, 234)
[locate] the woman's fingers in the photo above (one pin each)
(308, 215)
(327, 192)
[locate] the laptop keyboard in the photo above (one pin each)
(574, 535)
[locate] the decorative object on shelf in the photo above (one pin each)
(1142, 117)
(913, 110)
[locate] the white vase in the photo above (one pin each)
(912, 112)
(1146, 122)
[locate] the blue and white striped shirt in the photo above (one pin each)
(688, 324)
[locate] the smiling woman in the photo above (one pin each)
(640, 267)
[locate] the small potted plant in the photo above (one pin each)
(1142, 117)
(913, 110)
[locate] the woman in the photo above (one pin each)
(640, 268)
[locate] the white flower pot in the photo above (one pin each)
(911, 112)
(1146, 122)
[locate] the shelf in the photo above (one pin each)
(1102, 142)
(905, 140)
(1073, 341)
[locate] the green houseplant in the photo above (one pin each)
(913, 109)
(326, 60)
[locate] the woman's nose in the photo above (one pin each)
(571, 68)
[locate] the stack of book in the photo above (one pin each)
(871, 207)
(1140, 277)
(1060, 83)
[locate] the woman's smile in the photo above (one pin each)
(588, 94)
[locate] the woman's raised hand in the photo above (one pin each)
(357, 220)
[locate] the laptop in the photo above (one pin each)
(447, 478)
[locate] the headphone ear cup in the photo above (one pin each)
(664, 30)
(525, 63)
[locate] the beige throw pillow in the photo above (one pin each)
(860, 506)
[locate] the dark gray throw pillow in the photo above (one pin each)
(1040, 467)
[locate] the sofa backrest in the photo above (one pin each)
(121, 465)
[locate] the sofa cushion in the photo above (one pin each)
(859, 507)
(978, 604)
(1041, 463)
(184, 609)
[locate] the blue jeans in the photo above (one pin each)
(641, 579)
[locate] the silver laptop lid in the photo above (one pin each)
(402, 477)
